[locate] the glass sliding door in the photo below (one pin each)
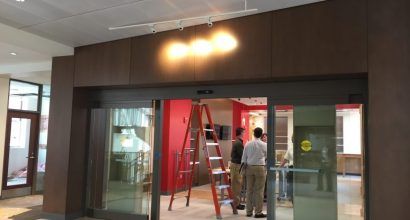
(121, 154)
(305, 181)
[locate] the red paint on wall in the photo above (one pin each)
(240, 117)
(176, 115)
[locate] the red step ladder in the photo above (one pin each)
(198, 132)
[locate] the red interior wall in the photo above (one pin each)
(176, 114)
(241, 111)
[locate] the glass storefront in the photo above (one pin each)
(310, 174)
(121, 173)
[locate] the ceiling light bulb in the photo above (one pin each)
(13, 54)
(224, 42)
(20, 0)
(201, 47)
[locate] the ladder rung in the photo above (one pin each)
(222, 186)
(185, 171)
(180, 197)
(212, 144)
(194, 129)
(225, 202)
(208, 129)
(190, 149)
(197, 162)
(192, 139)
(215, 158)
(218, 171)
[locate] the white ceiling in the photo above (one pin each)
(82, 22)
(33, 60)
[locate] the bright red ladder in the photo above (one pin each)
(197, 110)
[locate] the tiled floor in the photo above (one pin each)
(201, 207)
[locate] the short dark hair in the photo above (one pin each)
(239, 131)
(258, 132)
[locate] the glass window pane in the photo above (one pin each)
(125, 186)
(23, 96)
(322, 174)
(19, 150)
(42, 149)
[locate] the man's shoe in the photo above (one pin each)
(240, 207)
(260, 215)
(249, 214)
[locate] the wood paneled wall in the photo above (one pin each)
(389, 103)
(59, 135)
(103, 64)
(320, 39)
(325, 38)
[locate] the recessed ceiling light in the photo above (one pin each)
(20, 0)
(13, 54)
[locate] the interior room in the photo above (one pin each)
(250, 113)
(227, 115)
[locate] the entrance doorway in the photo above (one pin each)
(20, 151)
(306, 123)
(310, 179)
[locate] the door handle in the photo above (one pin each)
(31, 156)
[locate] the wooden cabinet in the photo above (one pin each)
(251, 59)
(320, 39)
(103, 64)
(151, 61)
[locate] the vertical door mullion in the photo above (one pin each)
(156, 176)
(271, 162)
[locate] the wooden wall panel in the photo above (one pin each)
(320, 39)
(76, 192)
(103, 64)
(59, 135)
(151, 64)
(389, 104)
(250, 60)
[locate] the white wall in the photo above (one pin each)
(352, 132)
(4, 93)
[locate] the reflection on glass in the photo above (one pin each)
(19, 150)
(23, 96)
(128, 157)
(42, 148)
(324, 149)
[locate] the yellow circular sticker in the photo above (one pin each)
(306, 145)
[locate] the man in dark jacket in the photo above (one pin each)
(236, 176)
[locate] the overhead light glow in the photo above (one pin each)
(224, 42)
(177, 50)
(20, 0)
(13, 54)
(201, 47)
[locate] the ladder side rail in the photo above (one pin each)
(193, 166)
(179, 167)
(210, 171)
(219, 153)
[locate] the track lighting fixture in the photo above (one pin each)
(210, 24)
(152, 28)
(205, 18)
(179, 25)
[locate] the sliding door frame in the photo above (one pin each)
(338, 91)
(272, 103)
